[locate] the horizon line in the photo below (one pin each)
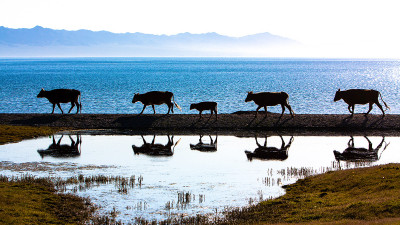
(215, 57)
(137, 32)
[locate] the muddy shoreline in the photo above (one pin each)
(243, 123)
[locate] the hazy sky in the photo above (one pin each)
(349, 27)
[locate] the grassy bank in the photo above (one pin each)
(358, 196)
(9, 133)
(34, 201)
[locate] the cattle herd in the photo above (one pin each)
(262, 99)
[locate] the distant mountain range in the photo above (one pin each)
(42, 42)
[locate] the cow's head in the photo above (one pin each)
(42, 93)
(136, 98)
(192, 106)
(338, 95)
(249, 96)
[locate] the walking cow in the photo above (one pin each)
(201, 106)
(264, 99)
(362, 97)
(58, 96)
(156, 98)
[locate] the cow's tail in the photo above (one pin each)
(80, 103)
(387, 107)
(176, 104)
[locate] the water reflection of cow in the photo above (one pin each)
(56, 149)
(270, 153)
(353, 154)
(205, 147)
(154, 149)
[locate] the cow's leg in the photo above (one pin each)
(370, 108)
(290, 109)
(170, 107)
(77, 106)
(351, 142)
(154, 109)
(72, 140)
(200, 113)
(72, 106)
(144, 140)
(349, 108)
(54, 105)
(370, 148)
(258, 108)
(380, 107)
(58, 104)
(169, 139)
(59, 140)
(283, 109)
(144, 106)
(258, 144)
(282, 142)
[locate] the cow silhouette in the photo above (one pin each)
(58, 150)
(205, 147)
(362, 97)
(353, 154)
(156, 98)
(270, 153)
(153, 149)
(264, 99)
(58, 96)
(201, 106)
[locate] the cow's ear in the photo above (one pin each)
(250, 92)
(338, 90)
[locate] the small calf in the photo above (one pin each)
(201, 106)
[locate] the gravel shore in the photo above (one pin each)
(241, 122)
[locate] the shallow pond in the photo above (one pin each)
(187, 175)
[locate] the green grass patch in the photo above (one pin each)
(35, 201)
(366, 194)
(9, 133)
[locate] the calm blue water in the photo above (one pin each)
(108, 84)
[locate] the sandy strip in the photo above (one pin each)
(308, 124)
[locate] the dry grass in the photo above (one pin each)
(35, 201)
(343, 197)
(9, 133)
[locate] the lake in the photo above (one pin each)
(165, 176)
(108, 84)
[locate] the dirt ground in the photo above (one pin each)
(241, 123)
